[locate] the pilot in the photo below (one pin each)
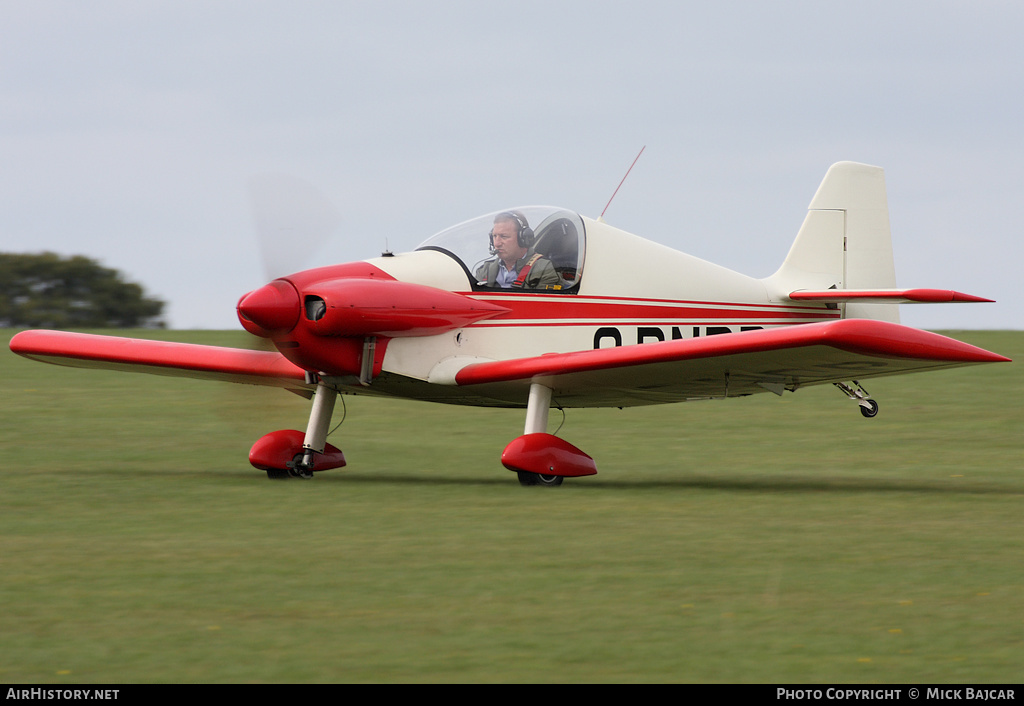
(516, 266)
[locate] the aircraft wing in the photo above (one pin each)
(725, 365)
(81, 350)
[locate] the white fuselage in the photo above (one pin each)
(631, 291)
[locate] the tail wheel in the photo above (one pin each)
(871, 410)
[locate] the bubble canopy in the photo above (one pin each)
(556, 235)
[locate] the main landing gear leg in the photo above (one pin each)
(316, 430)
(539, 458)
(868, 407)
(537, 408)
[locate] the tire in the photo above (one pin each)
(526, 478)
(870, 412)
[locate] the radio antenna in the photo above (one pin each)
(601, 218)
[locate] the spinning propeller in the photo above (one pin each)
(334, 322)
(293, 220)
(299, 309)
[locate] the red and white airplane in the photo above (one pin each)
(621, 321)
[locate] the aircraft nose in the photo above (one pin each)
(274, 307)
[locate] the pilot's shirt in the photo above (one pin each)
(506, 278)
(542, 274)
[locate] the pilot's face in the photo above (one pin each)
(506, 243)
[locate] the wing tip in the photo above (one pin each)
(886, 338)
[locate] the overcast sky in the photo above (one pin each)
(130, 130)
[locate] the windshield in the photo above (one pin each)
(536, 248)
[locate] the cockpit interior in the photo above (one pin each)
(559, 237)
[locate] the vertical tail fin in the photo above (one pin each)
(844, 242)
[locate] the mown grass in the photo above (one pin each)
(763, 539)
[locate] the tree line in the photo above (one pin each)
(46, 290)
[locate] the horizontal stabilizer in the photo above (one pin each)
(887, 296)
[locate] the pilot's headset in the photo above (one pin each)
(524, 233)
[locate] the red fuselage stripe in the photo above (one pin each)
(573, 310)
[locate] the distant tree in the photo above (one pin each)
(46, 290)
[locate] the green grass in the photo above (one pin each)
(763, 539)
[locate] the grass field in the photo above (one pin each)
(762, 539)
